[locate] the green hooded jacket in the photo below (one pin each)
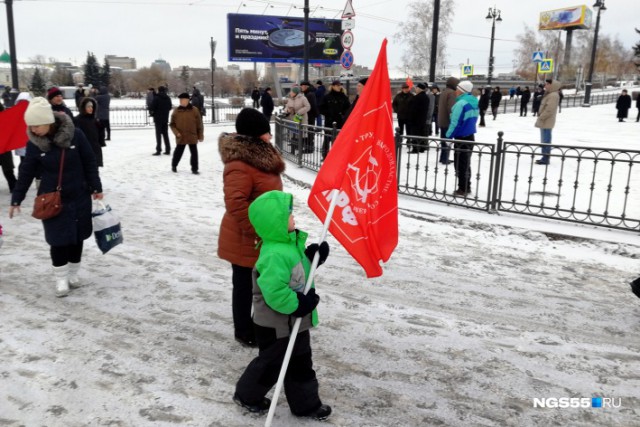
(282, 267)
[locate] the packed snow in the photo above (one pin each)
(475, 316)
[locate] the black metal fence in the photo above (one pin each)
(128, 117)
(512, 105)
(588, 185)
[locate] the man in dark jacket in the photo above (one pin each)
(400, 106)
(79, 95)
(638, 107)
(623, 105)
(266, 102)
(320, 92)
(445, 104)
(333, 107)
(54, 96)
(104, 100)
(255, 95)
(419, 112)
(309, 92)
(359, 88)
(197, 100)
(161, 109)
(524, 100)
(496, 97)
(483, 104)
(537, 99)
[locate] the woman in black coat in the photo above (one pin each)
(496, 97)
(623, 105)
(483, 104)
(87, 122)
(49, 137)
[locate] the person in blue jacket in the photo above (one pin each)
(462, 126)
(50, 135)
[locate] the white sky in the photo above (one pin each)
(179, 31)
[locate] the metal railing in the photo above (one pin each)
(597, 186)
(568, 101)
(130, 117)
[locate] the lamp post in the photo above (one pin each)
(213, 72)
(587, 86)
(493, 15)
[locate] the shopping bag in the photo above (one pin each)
(106, 227)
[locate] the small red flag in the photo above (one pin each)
(361, 165)
(13, 129)
(409, 82)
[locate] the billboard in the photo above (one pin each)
(263, 38)
(570, 18)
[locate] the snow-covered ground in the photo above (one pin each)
(475, 316)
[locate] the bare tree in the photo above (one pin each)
(636, 51)
(415, 34)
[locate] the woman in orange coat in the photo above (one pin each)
(252, 166)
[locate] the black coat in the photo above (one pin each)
(402, 105)
(419, 109)
(266, 102)
(80, 179)
(161, 107)
(313, 112)
(104, 100)
(197, 100)
(255, 94)
(537, 99)
(496, 97)
(88, 124)
(333, 107)
(485, 98)
(623, 105)
(62, 109)
(526, 96)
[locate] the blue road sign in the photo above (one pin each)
(346, 60)
(538, 56)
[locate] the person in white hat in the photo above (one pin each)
(50, 135)
(462, 126)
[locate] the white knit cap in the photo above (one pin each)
(38, 112)
(23, 96)
(465, 86)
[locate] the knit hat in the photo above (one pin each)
(295, 89)
(306, 83)
(319, 82)
(336, 82)
(53, 92)
(405, 86)
(251, 122)
(184, 95)
(23, 96)
(422, 86)
(465, 86)
(363, 81)
(38, 112)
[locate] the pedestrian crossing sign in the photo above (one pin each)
(546, 66)
(467, 70)
(538, 56)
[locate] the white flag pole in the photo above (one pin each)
(296, 325)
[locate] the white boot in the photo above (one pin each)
(61, 274)
(74, 281)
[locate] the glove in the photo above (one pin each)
(297, 118)
(313, 248)
(306, 303)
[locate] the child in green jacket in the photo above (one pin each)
(279, 278)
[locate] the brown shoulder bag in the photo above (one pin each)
(48, 205)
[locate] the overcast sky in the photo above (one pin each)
(179, 31)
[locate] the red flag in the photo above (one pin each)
(409, 82)
(13, 129)
(362, 166)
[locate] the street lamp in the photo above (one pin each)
(493, 15)
(213, 71)
(587, 87)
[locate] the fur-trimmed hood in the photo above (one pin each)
(83, 106)
(61, 134)
(255, 152)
